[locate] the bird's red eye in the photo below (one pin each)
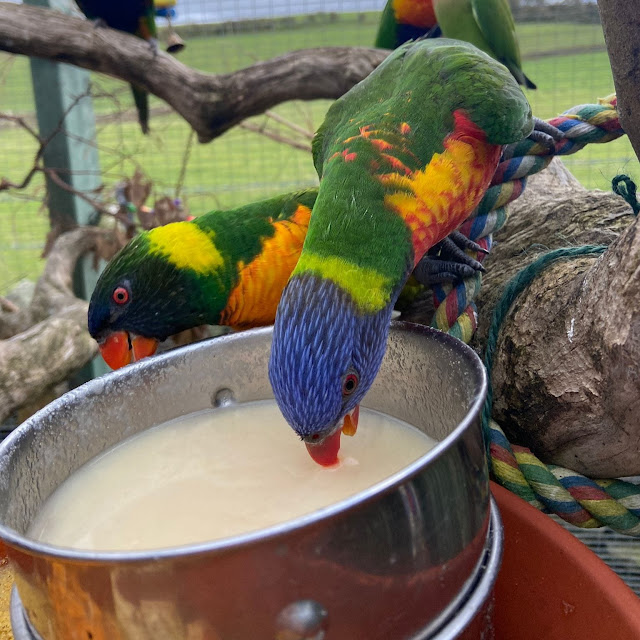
(350, 384)
(120, 295)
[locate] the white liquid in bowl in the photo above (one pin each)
(215, 474)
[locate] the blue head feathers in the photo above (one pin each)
(325, 355)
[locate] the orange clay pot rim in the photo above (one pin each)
(555, 535)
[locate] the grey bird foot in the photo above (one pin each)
(448, 261)
(545, 134)
(430, 271)
(460, 241)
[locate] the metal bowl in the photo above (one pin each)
(398, 560)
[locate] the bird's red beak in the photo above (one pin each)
(325, 452)
(120, 348)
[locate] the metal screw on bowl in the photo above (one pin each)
(223, 398)
(302, 620)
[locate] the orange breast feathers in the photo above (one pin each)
(254, 300)
(436, 200)
(418, 13)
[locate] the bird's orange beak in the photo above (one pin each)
(121, 348)
(350, 424)
(325, 452)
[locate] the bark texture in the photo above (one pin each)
(621, 26)
(47, 341)
(566, 378)
(210, 103)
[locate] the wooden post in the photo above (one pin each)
(63, 104)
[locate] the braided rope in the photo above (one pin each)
(580, 125)
(625, 187)
(575, 498)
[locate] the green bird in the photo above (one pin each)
(225, 267)
(404, 157)
(404, 20)
(136, 17)
(489, 25)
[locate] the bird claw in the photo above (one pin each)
(450, 249)
(448, 261)
(461, 241)
(430, 271)
(545, 134)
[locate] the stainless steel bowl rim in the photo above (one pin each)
(260, 535)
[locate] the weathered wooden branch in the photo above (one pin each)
(54, 291)
(42, 356)
(49, 339)
(210, 103)
(566, 374)
(621, 26)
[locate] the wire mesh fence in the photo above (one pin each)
(563, 52)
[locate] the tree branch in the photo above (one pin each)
(210, 103)
(621, 26)
(51, 340)
(44, 355)
(565, 374)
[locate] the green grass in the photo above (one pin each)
(242, 166)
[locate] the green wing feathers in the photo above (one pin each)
(147, 23)
(386, 37)
(495, 20)
(141, 99)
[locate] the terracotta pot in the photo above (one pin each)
(552, 587)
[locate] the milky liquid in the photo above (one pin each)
(214, 474)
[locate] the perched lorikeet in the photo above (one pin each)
(404, 20)
(226, 267)
(136, 17)
(489, 25)
(404, 157)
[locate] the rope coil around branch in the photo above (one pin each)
(575, 498)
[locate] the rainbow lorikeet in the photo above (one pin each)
(489, 25)
(225, 267)
(136, 17)
(404, 20)
(404, 157)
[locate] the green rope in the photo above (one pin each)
(513, 289)
(577, 499)
(625, 187)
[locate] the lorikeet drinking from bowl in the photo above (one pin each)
(225, 267)
(136, 17)
(404, 157)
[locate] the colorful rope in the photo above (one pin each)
(580, 125)
(576, 499)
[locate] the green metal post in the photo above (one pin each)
(72, 152)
